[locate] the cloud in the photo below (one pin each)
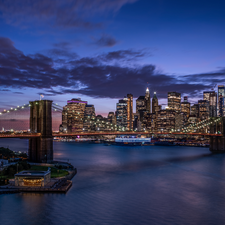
(61, 13)
(105, 75)
(106, 41)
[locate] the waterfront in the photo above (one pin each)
(126, 185)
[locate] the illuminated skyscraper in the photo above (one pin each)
(148, 101)
(203, 109)
(174, 99)
(221, 95)
(89, 118)
(155, 104)
(185, 106)
(73, 115)
(121, 114)
(211, 97)
(130, 111)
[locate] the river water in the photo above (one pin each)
(126, 185)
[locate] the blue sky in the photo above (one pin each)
(101, 50)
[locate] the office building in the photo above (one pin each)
(165, 121)
(129, 111)
(174, 99)
(195, 110)
(185, 106)
(148, 101)
(221, 95)
(73, 115)
(121, 114)
(89, 118)
(155, 104)
(203, 109)
(211, 97)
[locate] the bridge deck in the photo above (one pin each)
(33, 135)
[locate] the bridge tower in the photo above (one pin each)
(41, 148)
(217, 143)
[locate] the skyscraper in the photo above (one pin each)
(121, 114)
(203, 109)
(155, 104)
(185, 106)
(73, 115)
(211, 97)
(130, 111)
(174, 99)
(221, 95)
(148, 101)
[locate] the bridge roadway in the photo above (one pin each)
(33, 135)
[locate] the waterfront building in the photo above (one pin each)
(129, 111)
(211, 97)
(174, 100)
(121, 114)
(33, 178)
(73, 116)
(221, 95)
(203, 109)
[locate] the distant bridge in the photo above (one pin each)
(33, 135)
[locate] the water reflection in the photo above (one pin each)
(131, 185)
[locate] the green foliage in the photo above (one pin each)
(55, 172)
(10, 171)
(7, 153)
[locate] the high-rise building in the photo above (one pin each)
(195, 110)
(165, 120)
(155, 103)
(203, 109)
(221, 95)
(130, 111)
(185, 106)
(211, 97)
(73, 115)
(121, 114)
(148, 101)
(174, 99)
(89, 118)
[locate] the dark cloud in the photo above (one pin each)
(106, 41)
(60, 13)
(127, 55)
(105, 75)
(18, 92)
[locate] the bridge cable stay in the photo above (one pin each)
(202, 124)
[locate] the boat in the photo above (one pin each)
(132, 141)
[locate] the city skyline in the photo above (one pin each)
(63, 51)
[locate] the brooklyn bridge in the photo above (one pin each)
(41, 134)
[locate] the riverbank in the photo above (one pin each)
(56, 185)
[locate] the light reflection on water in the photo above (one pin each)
(127, 185)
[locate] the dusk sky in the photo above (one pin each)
(100, 50)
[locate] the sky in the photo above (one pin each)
(101, 50)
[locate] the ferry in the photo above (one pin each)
(132, 141)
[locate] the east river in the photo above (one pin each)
(126, 185)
